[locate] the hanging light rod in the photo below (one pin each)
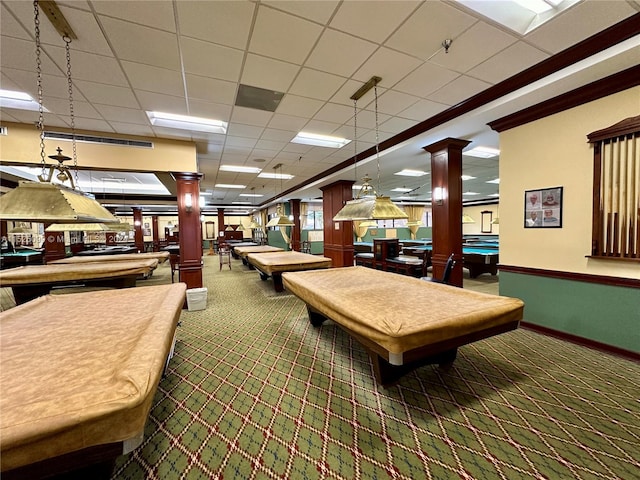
(57, 19)
(373, 81)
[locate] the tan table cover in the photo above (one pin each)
(81, 369)
(244, 251)
(275, 262)
(399, 312)
(34, 274)
(120, 257)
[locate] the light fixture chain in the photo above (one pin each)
(40, 125)
(375, 93)
(67, 42)
(355, 139)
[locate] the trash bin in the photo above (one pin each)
(196, 299)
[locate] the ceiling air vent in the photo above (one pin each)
(94, 139)
(258, 98)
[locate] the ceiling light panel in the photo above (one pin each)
(229, 185)
(482, 152)
(185, 122)
(279, 176)
(239, 169)
(306, 138)
(411, 173)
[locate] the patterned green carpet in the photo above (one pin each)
(255, 392)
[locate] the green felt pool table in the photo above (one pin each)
(21, 257)
(477, 260)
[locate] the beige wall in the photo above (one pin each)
(475, 213)
(22, 145)
(554, 152)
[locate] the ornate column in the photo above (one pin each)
(338, 236)
(155, 233)
(295, 231)
(220, 232)
(446, 192)
(137, 227)
(190, 228)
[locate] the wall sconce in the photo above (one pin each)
(438, 195)
(188, 202)
(137, 223)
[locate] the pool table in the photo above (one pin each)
(21, 257)
(424, 324)
(477, 260)
(125, 257)
(111, 250)
(243, 251)
(29, 282)
(79, 374)
(274, 264)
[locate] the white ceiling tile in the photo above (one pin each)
(217, 111)
(87, 29)
(283, 36)
(389, 65)
(267, 73)
(319, 12)
(372, 20)
(152, 13)
(396, 125)
(459, 89)
(142, 44)
(96, 68)
(277, 135)
(577, 23)
(10, 26)
(19, 54)
(107, 94)
(154, 79)
(299, 106)
(132, 129)
(92, 124)
(393, 102)
(157, 102)
(335, 113)
(239, 142)
(514, 59)
(422, 34)
(127, 115)
(287, 122)
(80, 109)
(474, 46)
(426, 79)
(251, 116)
(209, 60)
(240, 130)
(211, 89)
(320, 127)
(225, 23)
(315, 84)
(339, 53)
(422, 110)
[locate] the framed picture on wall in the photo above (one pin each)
(543, 208)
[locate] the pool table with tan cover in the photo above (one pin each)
(274, 264)
(122, 257)
(33, 281)
(79, 373)
(403, 322)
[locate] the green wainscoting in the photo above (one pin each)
(602, 313)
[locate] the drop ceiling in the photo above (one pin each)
(191, 58)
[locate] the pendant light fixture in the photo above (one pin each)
(368, 204)
(280, 220)
(43, 201)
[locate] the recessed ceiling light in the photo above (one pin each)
(307, 138)
(482, 152)
(186, 122)
(495, 180)
(280, 176)
(239, 169)
(411, 173)
(228, 185)
(401, 189)
(467, 177)
(19, 101)
(241, 203)
(251, 195)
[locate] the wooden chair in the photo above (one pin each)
(224, 254)
(174, 261)
(305, 247)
